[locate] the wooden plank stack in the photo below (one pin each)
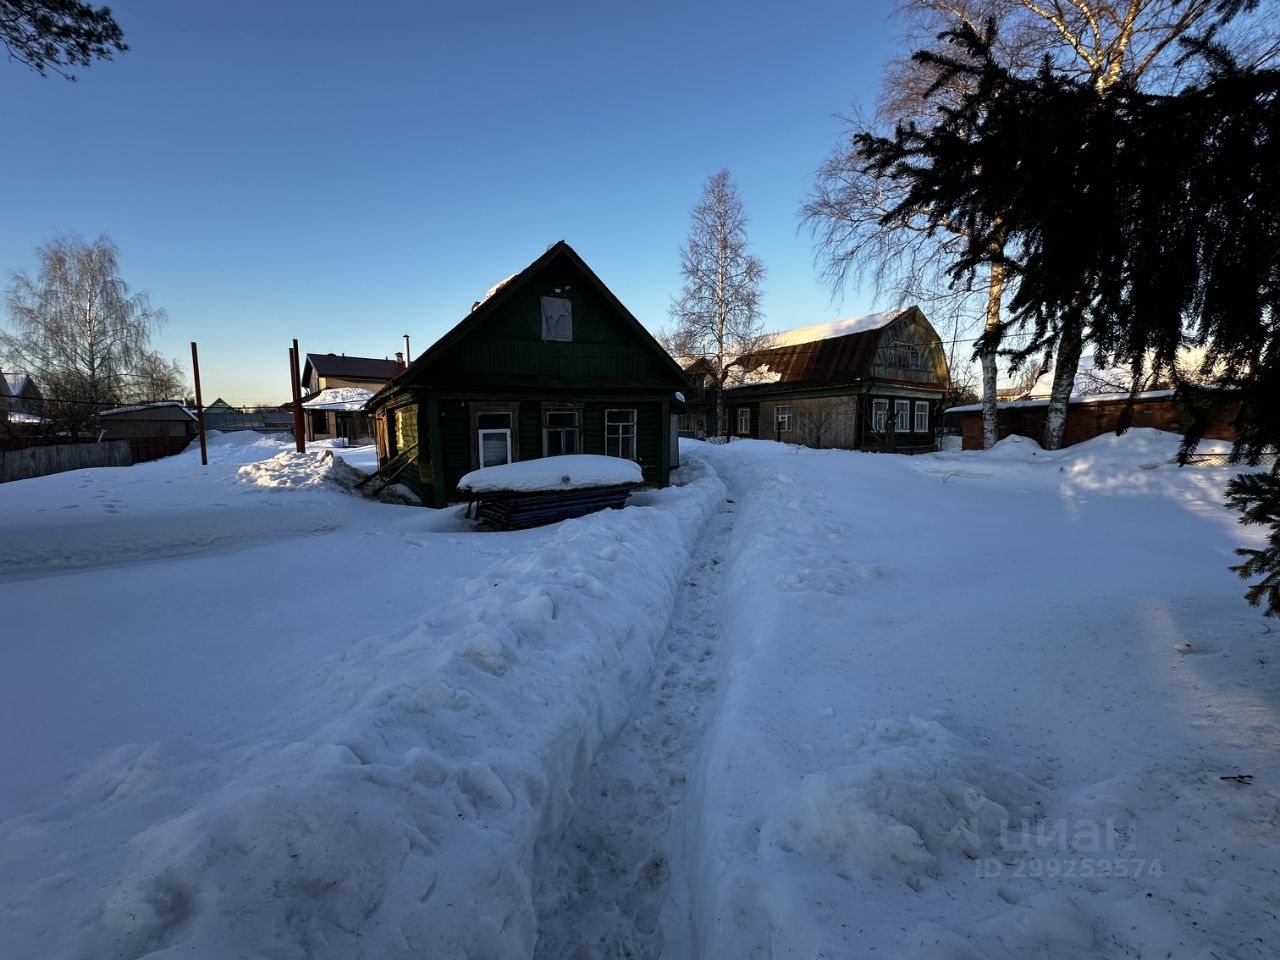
(519, 511)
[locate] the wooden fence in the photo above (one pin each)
(155, 448)
(42, 460)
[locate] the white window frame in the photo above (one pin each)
(623, 436)
(744, 421)
(922, 416)
(781, 419)
(481, 434)
(902, 416)
(879, 416)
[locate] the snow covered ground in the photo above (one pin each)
(808, 703)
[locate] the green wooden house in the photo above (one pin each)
(550, 362)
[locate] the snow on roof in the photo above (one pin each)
(572, 472)
(1091, 378)
(148, 406)
(495, 288)
(339, 398)
(1076, 398)
(15, 417)
(836, 328)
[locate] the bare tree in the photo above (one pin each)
(79, 332)
(826, 419)
(155, 379)
(858, 219)
(58, 34)
(1105, 41)
(717, 315)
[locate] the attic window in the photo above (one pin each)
(557, 319)
(904, 356)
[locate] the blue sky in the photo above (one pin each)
(347, 173)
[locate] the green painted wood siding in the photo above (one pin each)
(459, 442)
(509, 345)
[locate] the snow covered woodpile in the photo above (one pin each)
(530, 493)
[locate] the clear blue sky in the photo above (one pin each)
(346, 173)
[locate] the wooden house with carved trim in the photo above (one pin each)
(549, 363)
(866, 383)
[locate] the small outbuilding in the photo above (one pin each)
(154, 430)
(549, 363)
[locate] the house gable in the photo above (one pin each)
(501, 344)
(910, 351)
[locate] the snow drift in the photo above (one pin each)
(397, 807)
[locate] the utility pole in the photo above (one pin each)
(195, 370)
(295, 381)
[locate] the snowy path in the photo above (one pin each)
(603, 889)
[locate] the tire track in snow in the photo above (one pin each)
(603, 890)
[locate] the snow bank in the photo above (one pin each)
(956, 721)
(396, 806)
(301, 471)
(572, 472)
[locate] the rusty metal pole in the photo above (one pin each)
(295, 377)
(195, 370)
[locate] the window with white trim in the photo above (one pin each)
(559, 432)
(744, 421)
(493, 438)
(922, 416)
(782, 418)
(901, 416)
(620, 434)
(879, 415)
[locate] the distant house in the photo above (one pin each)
(333, 383)
(866, 383)
(549, 363)
(20, 398)
(699, 418)
(221, 415)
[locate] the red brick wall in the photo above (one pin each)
(1088, 420)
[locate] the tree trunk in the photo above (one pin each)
(1070, 344)
(990, 413)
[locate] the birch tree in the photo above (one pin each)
(79, 331)
(717, 314)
